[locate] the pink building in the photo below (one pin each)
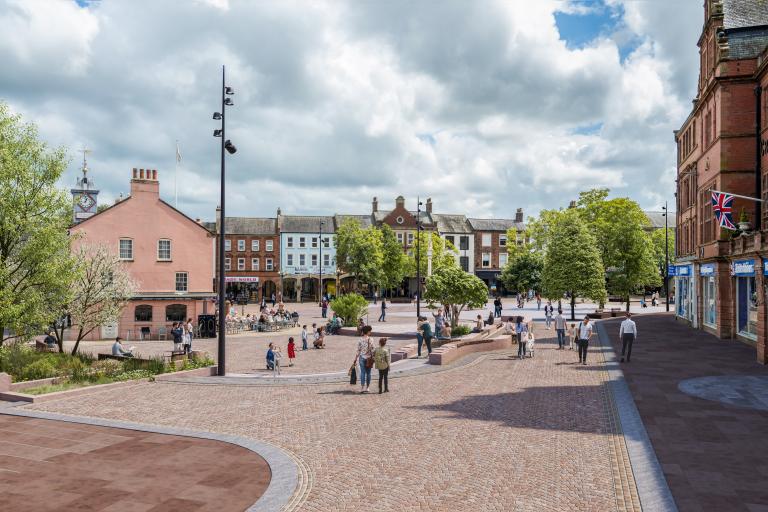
(170, 255)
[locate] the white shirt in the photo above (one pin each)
(628, 327)
(585, 331)
(559, 322)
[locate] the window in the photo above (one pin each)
(503, 240)
(746, 300)
(486, 239)
(289, 260)
(241, 245)
(327, 260)
(314, 260)
(707, 218)
(464, 262)
(710, 294)
(464, 243)
(302, 260)
(227, 244)
(486, 259)
(126, 249)
(289, 242)
(450, 238)
(175, 313)
(164, 250)
(314, 242)
(254, 263)
(400, 237)
(227, 263)
(410, 238)
(254, 245)
(240, 263)
(302, 242)
(326, 242)
(270, 245)
(143, 313)
(502, 259)
(181, 281)
(269, 264)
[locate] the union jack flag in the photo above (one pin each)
(722, 204)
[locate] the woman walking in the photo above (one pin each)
(522, 337)
(381, 358)
(364, 357)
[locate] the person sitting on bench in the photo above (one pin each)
(119, 350)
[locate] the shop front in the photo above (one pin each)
(685, 293)
(743, 271)
(242, 289)
(708, 288)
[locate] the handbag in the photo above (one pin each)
(352, 375)
(369, 358)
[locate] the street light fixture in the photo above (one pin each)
(418, 257)
(666, 252)
(230, 148)
(320, 242)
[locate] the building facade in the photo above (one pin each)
(251, 258)
(722, 146)
(169, 255)
(491, 247)
(308, 249)
(457, 230)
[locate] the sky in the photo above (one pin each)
(485, 106)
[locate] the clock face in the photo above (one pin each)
(85, 202)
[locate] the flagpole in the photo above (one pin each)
(176, 178)
(737, 195)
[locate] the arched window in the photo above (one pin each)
(175, 313)
(143, 313)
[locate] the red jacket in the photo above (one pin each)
(291, 350)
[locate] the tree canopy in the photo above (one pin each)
(443, 253)
(572, 263)
(36, 267)
(523, 272)
(456, 289)
(394, 261)
(359, 251)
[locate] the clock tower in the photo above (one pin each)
(84, 195)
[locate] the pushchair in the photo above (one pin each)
(529, 344)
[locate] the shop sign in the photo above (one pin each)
(671, 270)
(765, 267)
(683, 271)
(743, 268)
(241, 279)
(707, 269)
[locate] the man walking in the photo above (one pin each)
(383, 315)
(560, 329)
(627, 333)
(585, 332)
(548, 310)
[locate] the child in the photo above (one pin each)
(381, 359)
(303, 337)
(278, 356)
(291, 351)
(572, 335)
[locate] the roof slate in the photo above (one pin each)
(451, 223)
(747, 43)
(495, 224)
(306, 224)
(657, 219)
(364, 220)
(744, 13)
(246, 226)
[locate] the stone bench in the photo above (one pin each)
(450, 352)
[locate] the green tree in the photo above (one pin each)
(523, 272)
(456, 289)
(350, 307)
(359, 251)
(36, 267)
(572, 262)
(443, 254)
(658, 238)
(630, 258)
(394, 261)
(99, 292)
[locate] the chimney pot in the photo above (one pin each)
(154, 174)
(429, 205)
(141, 174)
(135, 173)
(375, 204)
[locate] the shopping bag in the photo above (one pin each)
(353, 375)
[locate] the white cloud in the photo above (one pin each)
(479, 105)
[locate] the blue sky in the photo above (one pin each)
(595, 19)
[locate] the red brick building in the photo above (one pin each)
(722, 146)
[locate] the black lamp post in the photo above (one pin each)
(666, 252)
(230, 148)
(320, 241)
(418, 257)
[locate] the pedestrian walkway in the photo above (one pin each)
(50, 465)
(699, 398)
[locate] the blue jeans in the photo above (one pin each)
(419, 340)
(303, 343)
(549, 321)
(560, 337)
(365, 373)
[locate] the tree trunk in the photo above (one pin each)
(627, 303)
(80, 336)
(573, 306)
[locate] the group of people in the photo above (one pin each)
(367, 357)
(274, 355)
(182, 333)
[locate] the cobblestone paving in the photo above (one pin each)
(498, 434)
